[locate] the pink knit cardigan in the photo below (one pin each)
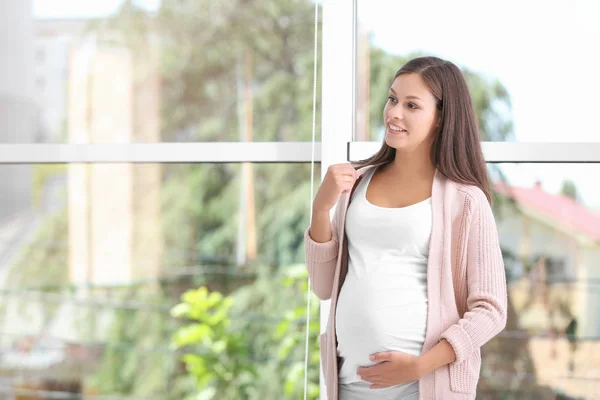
(466, 286)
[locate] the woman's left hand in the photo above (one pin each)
(394, 368)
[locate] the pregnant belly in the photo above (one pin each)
(380, 311)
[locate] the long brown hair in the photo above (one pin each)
(456, 148)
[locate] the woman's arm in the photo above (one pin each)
(320, 227)
(438, 356)
(321, 257)
(486, 282)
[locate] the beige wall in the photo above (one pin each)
(591, 324)
(554, 361)
(527, 236)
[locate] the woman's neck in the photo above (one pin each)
(407, 168)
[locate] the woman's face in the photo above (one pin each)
(410, 107)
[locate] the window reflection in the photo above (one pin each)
(502, 68)
(550, 240)
(92, 266)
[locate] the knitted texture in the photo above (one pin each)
(467, 295)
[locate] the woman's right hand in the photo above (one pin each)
(338, 179)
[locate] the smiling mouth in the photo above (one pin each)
(395, 129)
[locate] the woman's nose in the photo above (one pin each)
(394, 114)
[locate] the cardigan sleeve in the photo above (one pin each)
(486, 283)
(321, 258)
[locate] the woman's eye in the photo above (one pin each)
(410, 105)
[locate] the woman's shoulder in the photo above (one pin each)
(472, 196)
(474, 192)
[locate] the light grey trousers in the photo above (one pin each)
(360, 391)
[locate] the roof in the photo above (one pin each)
(556, 207)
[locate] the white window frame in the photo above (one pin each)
(338, 91)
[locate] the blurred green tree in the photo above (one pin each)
(569, 189)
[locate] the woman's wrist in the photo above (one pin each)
(438, 356)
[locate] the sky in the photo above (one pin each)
(545, 53)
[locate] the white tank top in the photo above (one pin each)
(382, 304)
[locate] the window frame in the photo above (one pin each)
(338, 124)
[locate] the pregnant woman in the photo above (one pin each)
(411, 259)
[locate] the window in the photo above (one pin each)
(97, 256)
(183, 72)
(172, 81)
(518, 76)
